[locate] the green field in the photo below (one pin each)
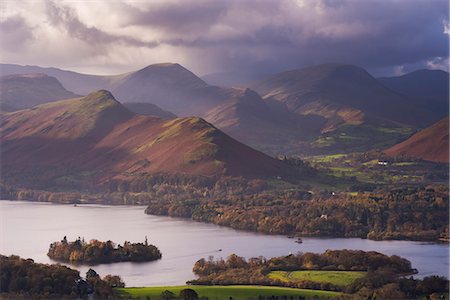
(225, 292)
(341, 278)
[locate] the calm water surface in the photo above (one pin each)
(27, 229)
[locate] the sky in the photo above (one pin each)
(387, 37)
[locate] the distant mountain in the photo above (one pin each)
(96, 137)
(431, 144)
(239, 112)
(78, 83)
(317, 110)
(149, 109)
(343, 94)
(171, 87)
(27, 90)
(177, 90)
(427, 88)
(245, 116)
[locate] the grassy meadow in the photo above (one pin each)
(341, 278)
(225, 292)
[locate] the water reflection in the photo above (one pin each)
(28, 228)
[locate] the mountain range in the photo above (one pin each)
(96, 139)
(316, 110)
(341, 94)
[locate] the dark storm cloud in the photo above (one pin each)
(66, 18)
(15, 33)
(263, 36)
(368, 33)
(178, 16)
(275, 35)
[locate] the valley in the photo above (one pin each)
(224, 150)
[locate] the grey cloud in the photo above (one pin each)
(375, 34)
(264, 36)
(182, 16)
(66, 18)
(275, 35)
(15, 33)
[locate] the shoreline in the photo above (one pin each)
(100, 201)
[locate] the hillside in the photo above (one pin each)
(149, 109)
(95, 139)
(166, 88)
(239, 112)
(343, 94)
(28, 90)
(427, 88)
(358, 113)
(323, 109)
(247, 117)
(431, 144)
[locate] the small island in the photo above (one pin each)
(97, 252)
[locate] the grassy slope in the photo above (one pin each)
(342, 278)
(351, 138)
(225, 292)
(97, 135)
(367, 171)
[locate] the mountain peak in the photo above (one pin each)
(165, 73)
(164, 66)
(166, 85)
(91, 116)
(99, 101)
(100, 95)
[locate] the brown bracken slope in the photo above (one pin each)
(431, 144)
(98, 135)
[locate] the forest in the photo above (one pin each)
(384, 275)
(357, 198)
(95, 252)
(409, 213)
(25, 279)
(417, 212)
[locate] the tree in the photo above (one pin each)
(114, 281)
(390, 291)
(188, 294)
(234, 261)
(91, 274)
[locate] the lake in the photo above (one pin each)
(28, 228)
